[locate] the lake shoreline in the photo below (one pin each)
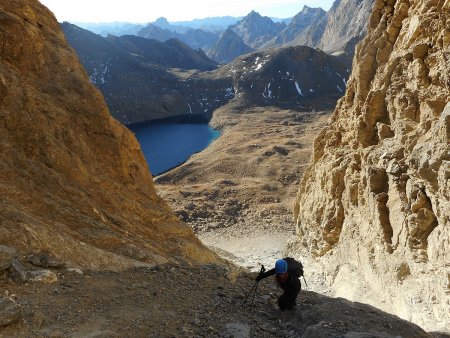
(169, 143)
(186, 160)
(185, 118)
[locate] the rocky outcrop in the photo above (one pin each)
(374, 203)
(74, 181)
(228, 47)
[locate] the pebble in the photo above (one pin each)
(75, 270)
(44, 276)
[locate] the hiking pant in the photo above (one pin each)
(287, 300)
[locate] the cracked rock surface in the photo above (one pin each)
(374, 204)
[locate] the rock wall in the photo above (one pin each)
(374, 205)
(73, 181)
(346, 20)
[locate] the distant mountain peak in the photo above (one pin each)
(162, 21)
(307, 9)
(255, 30)
(252, 16)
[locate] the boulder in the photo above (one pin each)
(45, 260)
(6, 257)
(17, 271)
(10, 312)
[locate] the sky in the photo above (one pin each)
(143, 11)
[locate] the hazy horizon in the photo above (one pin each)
(144, 11)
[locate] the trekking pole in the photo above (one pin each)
(255, 286)
(254, 294)
(246, 297)
(263, 269)
(305, 281)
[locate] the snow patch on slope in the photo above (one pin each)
(298, 88)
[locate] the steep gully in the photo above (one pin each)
(200, 197)
(25, 217)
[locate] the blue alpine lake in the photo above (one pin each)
(167, 144)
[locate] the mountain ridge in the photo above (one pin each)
(165, 92)
(138, 75)
(196, 38)
(334, 31)
(75, 187)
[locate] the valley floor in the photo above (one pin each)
(238, 194)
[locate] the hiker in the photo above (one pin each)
(287, 272)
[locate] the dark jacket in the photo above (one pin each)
(291, 286)
(292, 282)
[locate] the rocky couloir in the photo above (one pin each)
(76, 188)
(374, 203)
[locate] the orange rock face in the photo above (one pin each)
(73, 180)
(375, 202)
